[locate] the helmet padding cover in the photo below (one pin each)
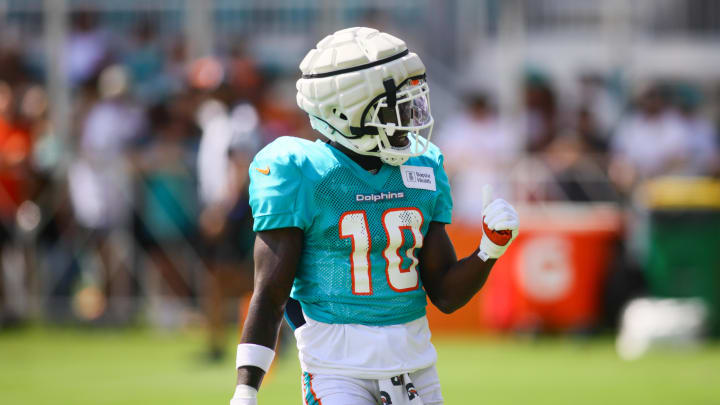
(344, 75)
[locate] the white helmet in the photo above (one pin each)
(361, 87)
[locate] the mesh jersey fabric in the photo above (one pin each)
(312, 185)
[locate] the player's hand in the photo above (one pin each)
(500, 225)
(244, 395)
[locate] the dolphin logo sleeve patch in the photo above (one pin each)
(421, 177)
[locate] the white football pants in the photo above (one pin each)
(419, 388)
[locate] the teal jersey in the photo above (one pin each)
(362, 231)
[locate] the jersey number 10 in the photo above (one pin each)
(354, 225)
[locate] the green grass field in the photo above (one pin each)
(78, 367)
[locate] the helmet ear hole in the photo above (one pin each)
(339, 114)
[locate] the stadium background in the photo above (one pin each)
(126, 127)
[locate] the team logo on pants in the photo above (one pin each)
(399, 381)
(385, 398)
(411, 391)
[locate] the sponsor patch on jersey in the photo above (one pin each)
(421, 177)
(379, 196)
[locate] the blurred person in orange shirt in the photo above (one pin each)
(15, 145)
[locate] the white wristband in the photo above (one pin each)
(249, 354)
(483, 255)
(244, 395)
(490, 250)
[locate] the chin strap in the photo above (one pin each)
(323, 127)
(333, 134)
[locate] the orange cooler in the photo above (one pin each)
(552, 276)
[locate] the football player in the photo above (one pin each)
(352, 229)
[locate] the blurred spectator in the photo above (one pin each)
(598, 111)
(650, 142)
(590, 133)
(479, 149)
(244, 78)
(213, 119)
(540, 112)
(228, 144)
(175, 66)
(99, 180)
(12, 68)
(279, 115)
(88, 49)
(15, 146)
(704, 149)
(167, 203)
(145, 64)
(577, 172)
(577, 160)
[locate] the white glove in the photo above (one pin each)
(500, 226)
(244, 395)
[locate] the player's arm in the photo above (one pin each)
(277, 254)
(451, 283)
